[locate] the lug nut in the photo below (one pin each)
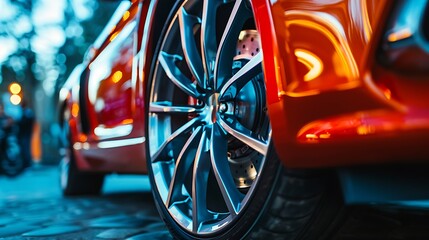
(223, 108)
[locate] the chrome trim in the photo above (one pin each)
(121, 143)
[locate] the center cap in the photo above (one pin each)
(213, 104)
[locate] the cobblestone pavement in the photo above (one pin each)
(31, 207)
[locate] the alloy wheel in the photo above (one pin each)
(208, 130)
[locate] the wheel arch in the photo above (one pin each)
(273, 67)
(272, 64)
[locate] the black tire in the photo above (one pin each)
(302, 204)
(197, 155)
(74, 182)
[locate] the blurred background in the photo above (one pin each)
(41, 41)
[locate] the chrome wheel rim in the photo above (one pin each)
(208, 131)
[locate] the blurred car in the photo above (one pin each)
(210, 98)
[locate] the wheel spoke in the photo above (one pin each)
(183, 164)
(179, 132)
(252, 69)
(222, 171)
(226, 51)
(189, 46)
(201, 171)
(208, 31)
(237, 130)
(166, 107)
(168, 62)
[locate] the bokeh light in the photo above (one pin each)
(117, 76)
(15, 88)
(41, 41)
(15, 99)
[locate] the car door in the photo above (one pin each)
(108, 95)
(109, 82)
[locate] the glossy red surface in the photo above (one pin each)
(114, 100)
(330, 102)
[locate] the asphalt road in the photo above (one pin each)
(32, 207)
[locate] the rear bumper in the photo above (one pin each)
(370, 137)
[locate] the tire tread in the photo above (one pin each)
(301, 206)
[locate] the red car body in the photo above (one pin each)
(353, 112)
(109, 135)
